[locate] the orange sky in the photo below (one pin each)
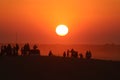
(89, 21)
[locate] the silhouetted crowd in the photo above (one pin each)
(25, 50)
(8, 50)
(74, 54)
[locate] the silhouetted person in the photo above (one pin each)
(35, 47)
(68, 53)
(16, 49)
(2, 50)
(74, 53)
(64, 54)
(50, 53)
(34, 51)
(26, 49)
(22, 51)
(88, 55)
(9, 49)
(81, 56)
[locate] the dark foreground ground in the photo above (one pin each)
(56, 68)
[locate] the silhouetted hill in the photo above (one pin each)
(57, 68)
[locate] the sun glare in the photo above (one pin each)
(62, 30)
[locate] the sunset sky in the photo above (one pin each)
(35, 21)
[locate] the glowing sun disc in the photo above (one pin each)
(62, 30)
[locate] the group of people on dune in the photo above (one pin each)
(25, 50)
(74, 54)
(10, 50)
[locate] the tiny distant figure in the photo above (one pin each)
(74, 53)
(2, 50)
(34, 51)
(88, 55)
(26, 49)
(9, 49)
(35, 47)
(81, 56)
(50, 53)
(22, 51)
(16, 49)
(64, 54)
(68, 53)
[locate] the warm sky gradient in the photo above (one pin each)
(89, 21)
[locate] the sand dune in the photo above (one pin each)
(57, 68)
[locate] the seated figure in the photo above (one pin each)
(34, 51)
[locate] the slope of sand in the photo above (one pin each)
(57, 68)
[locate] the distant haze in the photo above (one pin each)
(89, 21)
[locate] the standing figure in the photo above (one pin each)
(81, 56)
(68, 53)
(50, 53)
(2, 50)
(22, 51)
(88, 55)
(9, 49)
(16, 49)
(64, 54)
(74, 53)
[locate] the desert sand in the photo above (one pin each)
(57, 68)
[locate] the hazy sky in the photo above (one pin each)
(89, 21)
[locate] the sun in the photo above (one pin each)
(62, 30)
